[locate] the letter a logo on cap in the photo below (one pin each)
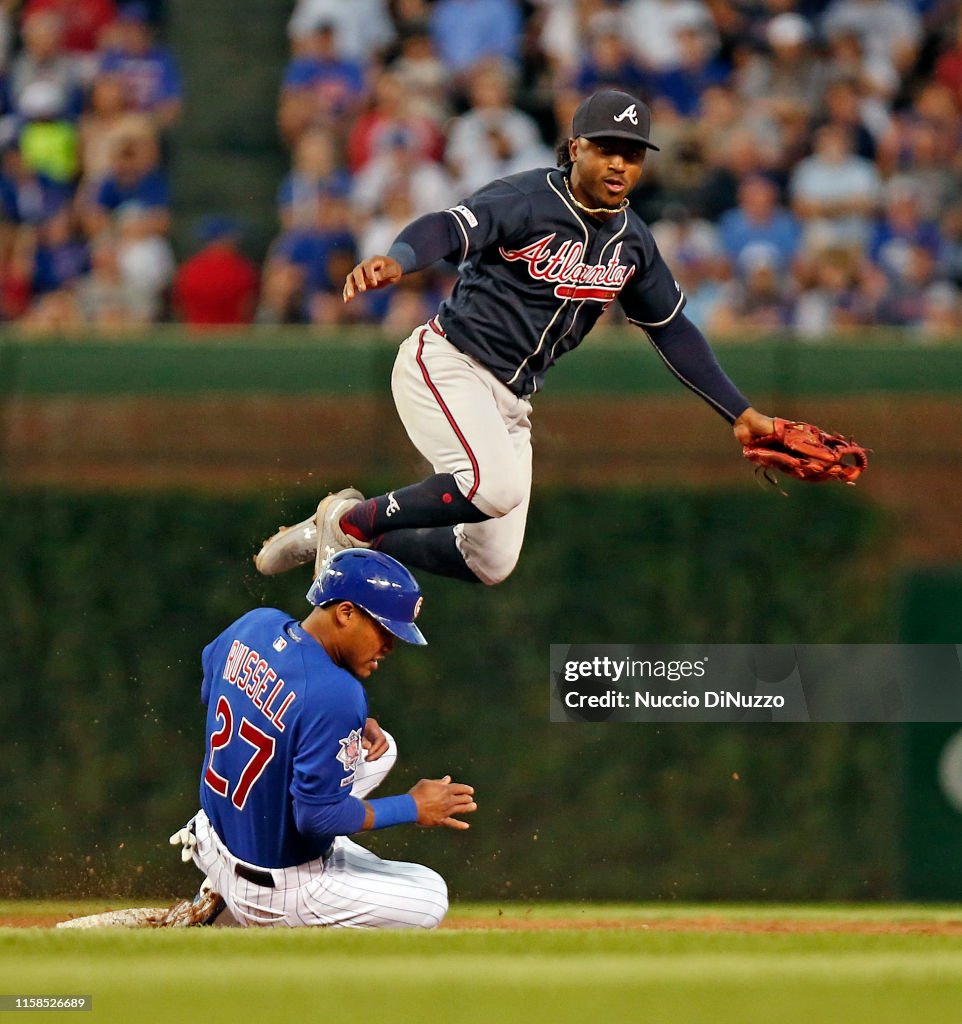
(628, 112)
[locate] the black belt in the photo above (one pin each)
(255, 875)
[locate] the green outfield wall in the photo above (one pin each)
(108, 600)
(328, 361)
(930, 610)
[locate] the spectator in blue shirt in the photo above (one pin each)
(306, 267)
(683, 84)
(464, 31)
(320, 88)
(311, 251)
(149, 72)
(757, 300)
(609, 63)
(758, 220)
(27, 197)
(61, 256)
(134, 178)
(54, 260)
(314, 176)
(901, 229)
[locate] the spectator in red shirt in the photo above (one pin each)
(391, 110)
(218, 285)
(83, 20)
(948, 69)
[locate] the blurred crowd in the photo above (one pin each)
(809, 178)
(87, 94)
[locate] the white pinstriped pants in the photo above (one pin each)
(464, 421)
(352, 888)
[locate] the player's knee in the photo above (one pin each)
(501, 495)
(390, 755)
(371, 774)
(497, 568)
(435, 903)
(379, 769)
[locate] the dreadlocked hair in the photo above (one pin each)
(563, 156)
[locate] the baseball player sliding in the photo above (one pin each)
(291, 756)
(540, 256)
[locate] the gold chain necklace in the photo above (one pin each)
(623, 205)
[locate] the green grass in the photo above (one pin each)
(484, 974)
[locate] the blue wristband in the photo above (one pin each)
(394, 810)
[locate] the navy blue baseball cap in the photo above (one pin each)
(611, 114)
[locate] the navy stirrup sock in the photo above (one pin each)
(433, 550)
(431, 503)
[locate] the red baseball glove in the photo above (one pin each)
(807, 452)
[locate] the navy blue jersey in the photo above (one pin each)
(535, 274)
(284, 723)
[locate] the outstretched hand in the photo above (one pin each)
(752, 424)
(439, 799)
(374, 272)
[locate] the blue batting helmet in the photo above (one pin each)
(375, 582)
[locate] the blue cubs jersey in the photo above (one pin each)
(283, 723)
(535, 273)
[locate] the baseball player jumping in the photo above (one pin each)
(540, 256)
(291, 756)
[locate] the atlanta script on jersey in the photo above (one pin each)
(535, 274)
(283, 722)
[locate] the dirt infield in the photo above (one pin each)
(707, 923)
(43, 921)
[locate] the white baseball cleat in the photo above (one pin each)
(290, 547)
(198, 912)
(297, 545)
(330, 537)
